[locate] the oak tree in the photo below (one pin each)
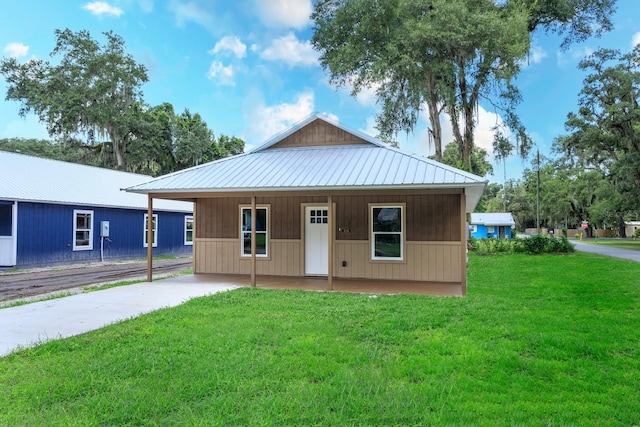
(91, 91)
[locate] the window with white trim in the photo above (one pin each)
(387, 233)
(188, 230)
(262, 233)
(155, 230)
(82, 230)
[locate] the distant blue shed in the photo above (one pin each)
(54, 212)
(495, 225)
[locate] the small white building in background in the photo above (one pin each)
(631, 227)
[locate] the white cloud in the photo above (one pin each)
(16, 50)
(100, 8)
(370, 128)
(635, 40)
(230, 44)
(146, 5)
(191, 12)
(284, 13)
(536, 55)
(368, 97)
(223, 75)
(419, 141)
(268, 121)
(573, 55)
(290, 50)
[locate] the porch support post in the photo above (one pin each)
(150, 238)
(253, 241)
(463, 242)
(330, 240)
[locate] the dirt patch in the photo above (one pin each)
(23, 284)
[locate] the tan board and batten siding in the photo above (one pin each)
(432, 234)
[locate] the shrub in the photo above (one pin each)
(534, 245)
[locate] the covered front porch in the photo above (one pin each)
(382, 287)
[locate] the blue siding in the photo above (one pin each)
(45, 234)
(482, 232)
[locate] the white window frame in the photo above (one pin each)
(266, 232)
(155, 231)
(77, 247)
(188, 219)
(401, 233)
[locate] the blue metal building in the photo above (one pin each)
(497, 225)
(54, 212)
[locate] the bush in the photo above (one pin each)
(534, 245)
(636, 234)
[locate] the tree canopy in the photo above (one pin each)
(95, 93)
(605, 131)
(92, 92)
(447, 55)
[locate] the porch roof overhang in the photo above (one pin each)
(472, 192)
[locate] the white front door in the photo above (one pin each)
(316, 241)
(8, 231)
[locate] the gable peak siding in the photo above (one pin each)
(318, 133)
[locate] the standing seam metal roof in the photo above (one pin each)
(356, 166)
(34, 179)
(492, 218)
(312, 167)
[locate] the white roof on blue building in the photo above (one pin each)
(33, 179)
(362, 163)
(492, 219)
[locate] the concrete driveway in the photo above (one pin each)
(608, 251)
(34, 323)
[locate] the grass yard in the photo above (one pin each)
(539, 340)
(616, 243)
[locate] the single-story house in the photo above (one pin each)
(495, 225)
(321, 200)
(54, 212)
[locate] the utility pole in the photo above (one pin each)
(538, 193)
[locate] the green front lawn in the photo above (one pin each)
(616, 243)
(539, 340)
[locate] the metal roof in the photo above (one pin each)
(493, 218)
(373, 166)
(34, 179)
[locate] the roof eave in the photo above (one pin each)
(310, 188)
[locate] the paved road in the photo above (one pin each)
(22, 284)
(31, 324)
(631, 254)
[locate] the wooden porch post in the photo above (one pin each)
(463, 246)
(150, 238)
(330, 240)
(253, 241)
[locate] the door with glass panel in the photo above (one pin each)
(316, 241)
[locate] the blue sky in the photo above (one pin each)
(248, 68)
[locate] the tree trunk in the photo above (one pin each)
(436, 129)
(117, 153)
(455, 125)
(622, 229)
(467, 142)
